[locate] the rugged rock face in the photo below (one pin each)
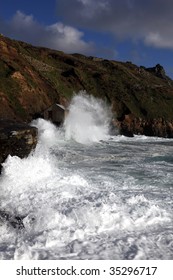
(158, 71)
(16, 139)
(23, 90)
(153, 127)
(33, 78)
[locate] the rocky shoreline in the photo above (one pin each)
(131, 126)
(16, 139)
(34, 78)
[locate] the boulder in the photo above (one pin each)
(16, 139)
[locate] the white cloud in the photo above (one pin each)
(25, 19)
(155, 39)
(68, 39)
(24, 27)
(57, 36)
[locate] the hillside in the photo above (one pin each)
(32, 78)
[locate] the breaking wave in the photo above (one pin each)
(88, 119)
(106, 200)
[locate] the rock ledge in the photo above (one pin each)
(16, 139)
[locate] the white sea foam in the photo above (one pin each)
(88, 119)
(104, 200)
(49, 135)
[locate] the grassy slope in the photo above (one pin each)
(31, 78)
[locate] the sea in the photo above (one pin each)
(86, 193)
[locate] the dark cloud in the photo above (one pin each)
(149, 21)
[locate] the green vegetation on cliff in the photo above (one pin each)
(32, 78)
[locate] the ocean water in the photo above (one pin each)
(86, 194)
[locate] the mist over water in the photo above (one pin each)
(83, 194)
(88, 120)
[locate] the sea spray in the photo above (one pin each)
(48, 133)
(110, 200)
(88, 119)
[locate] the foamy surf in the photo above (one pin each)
(88, 119)
(88, 200)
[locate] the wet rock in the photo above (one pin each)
(149, 127)
(16, 139)
(14, 221)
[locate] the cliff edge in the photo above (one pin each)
(33, 78)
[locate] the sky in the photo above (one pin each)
(140, 31)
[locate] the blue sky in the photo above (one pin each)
(125, 30)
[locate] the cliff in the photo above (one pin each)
(32, 78)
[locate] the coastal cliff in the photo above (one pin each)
(33, 78)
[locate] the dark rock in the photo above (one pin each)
(16, 139)
(158, 70)
(126, 131)
(149, 127)
(69, 73)
(13, 220)
(0, 168)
